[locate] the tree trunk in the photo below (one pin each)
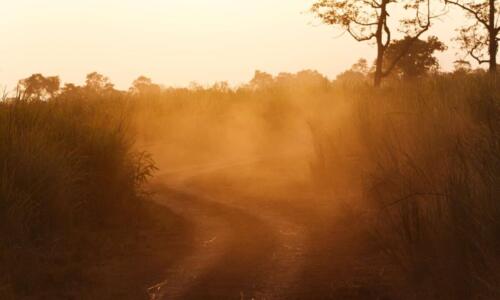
(493, 43)
(379, 64)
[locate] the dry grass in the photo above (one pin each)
(418, 162)
(67, 168)
(428, 156)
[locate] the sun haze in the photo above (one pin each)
(249, 149)
(174, 42)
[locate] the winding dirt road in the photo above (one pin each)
(253, 240)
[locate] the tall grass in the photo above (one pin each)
(428, 156)
(417, 161)
(66, 167)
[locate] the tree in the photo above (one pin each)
(361, 66)
(261, 80)
(461, 66)
(38, 87)
(480, 39)
(98, 83)
(357, 73)
(312, 80)
(144, 86)
(221, 87)
(367, 20)
(418, 60)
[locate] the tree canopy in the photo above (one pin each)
(37, 87)
(369, 20)
(418, 60)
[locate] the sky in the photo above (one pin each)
(176, 42)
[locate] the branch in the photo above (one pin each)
(359, 38)
(403, 52)
(477, 58)
(470, 10)
(424, 27)
(362, 23)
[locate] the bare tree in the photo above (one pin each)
(367, 20)
(483, 34)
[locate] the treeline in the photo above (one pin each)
(408, 59)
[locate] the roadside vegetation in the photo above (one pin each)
(71, 189)
(424, 160)
(414, 164)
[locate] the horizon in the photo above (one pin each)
(228, 41)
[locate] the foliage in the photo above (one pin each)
(37, 87)
(144, 86)
(369, 20)
(419, 60)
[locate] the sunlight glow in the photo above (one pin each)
(174, 42)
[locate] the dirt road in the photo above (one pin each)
(255, 237)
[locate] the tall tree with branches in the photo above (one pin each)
(480, 39)
(367, 20)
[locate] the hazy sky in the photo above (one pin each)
(174, 42)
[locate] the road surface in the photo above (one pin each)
(262, 235)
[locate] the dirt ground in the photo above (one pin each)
(265, 235)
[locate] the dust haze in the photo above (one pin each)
(379, 183)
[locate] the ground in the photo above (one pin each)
(238, 229)
(264, 235)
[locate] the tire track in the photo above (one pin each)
(224, 262)
(241, 250)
